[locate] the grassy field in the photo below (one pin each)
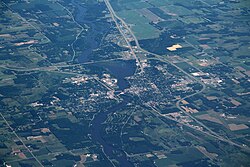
(140, 25)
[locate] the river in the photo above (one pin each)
(96, 29)
(119, 69)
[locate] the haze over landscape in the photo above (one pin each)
(124, 83)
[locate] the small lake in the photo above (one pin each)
(120, 69)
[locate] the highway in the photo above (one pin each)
(115, 17)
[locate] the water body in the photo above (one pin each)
(120, 69)
(89, 15)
